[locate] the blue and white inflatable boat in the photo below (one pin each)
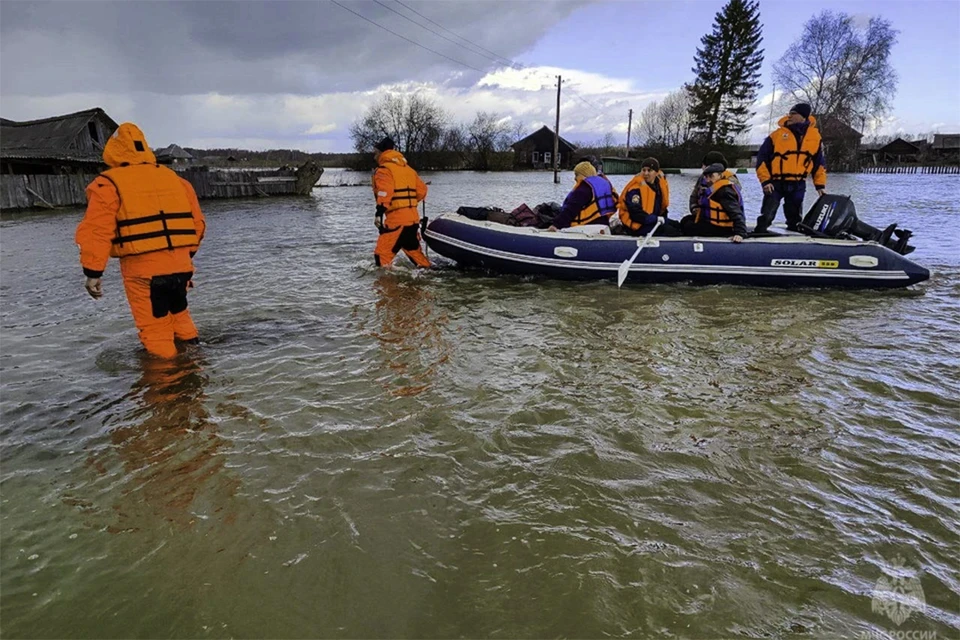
(785, 259)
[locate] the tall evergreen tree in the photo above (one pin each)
(728, 72)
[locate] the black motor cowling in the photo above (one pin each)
(836, 217)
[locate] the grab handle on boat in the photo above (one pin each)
(624, 268)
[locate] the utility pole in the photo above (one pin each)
(773, 98)
(629, 127)
(556, 139)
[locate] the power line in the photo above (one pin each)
(513, 63)
(413, 42)
(472, 44)
(439, 35)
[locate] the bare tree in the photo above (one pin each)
(667, 122)
(518, 131)
(415, 123)
(842, 70)
(648, 128)
(677, 117)
(489, 132)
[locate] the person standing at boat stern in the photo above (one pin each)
(721, 208)
(591, 201)
(148, 217)
(646, 198)
(784, 161)
(397, 189)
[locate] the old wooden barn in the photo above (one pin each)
(49, 163)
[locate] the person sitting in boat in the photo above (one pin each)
(701, 184)
(721, 208)
(646, 198)
(591, 201)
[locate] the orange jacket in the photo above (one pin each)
(397, 187)
(128, 153)
(641, 195)
(786, 155)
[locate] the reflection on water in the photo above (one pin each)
(167, 447)
(411, 331)
(361, 453)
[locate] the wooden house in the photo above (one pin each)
(841, 144)
(898, 151)
(60, 145)
(946, 147)
(536, 151)
(173, 154)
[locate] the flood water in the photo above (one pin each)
(362, 454)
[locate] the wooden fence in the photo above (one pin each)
(32, 191)
(26, 192)
(938, 169)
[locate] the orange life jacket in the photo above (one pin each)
(404, 186)
(154, 214)
(710, 210)
(650, 200)
(792, 159)
(602, 202)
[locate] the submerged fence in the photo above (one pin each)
(50, 191)
(25, 192)
(938, 169)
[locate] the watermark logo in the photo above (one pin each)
(900, 595)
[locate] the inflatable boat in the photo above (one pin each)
(785, 259)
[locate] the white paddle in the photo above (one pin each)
(624, 268)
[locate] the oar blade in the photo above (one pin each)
(622, 272)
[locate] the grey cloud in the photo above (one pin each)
(247, 48)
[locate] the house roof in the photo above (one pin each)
(836, 129)
(50, 138)
(174, 151)
(540, 138)
(55, 132)
(899, 146)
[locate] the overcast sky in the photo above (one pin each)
(277, 74)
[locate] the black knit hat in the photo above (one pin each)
(383, 145)
(802, 109)
(652, 163)
(712, 157)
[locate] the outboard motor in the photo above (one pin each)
(836, 217)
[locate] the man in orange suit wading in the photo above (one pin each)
(149, 217)
(398, 189)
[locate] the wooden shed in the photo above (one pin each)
(67, 144)
(899, 150)
(946, 146)
(536, 151)
(173, 154)
(841, 144)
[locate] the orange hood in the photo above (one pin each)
(127, 146)
(782, 122)
(392, 155)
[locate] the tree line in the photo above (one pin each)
(426, 134)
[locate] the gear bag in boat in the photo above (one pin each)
(836, 217)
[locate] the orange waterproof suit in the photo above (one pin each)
(149, 217)
(398, 189)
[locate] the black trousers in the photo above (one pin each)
(792, 195)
